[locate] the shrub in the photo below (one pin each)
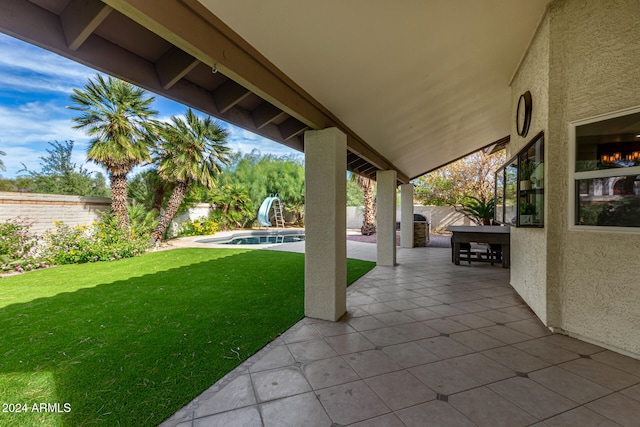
(20, 250)
(15, 239)
(199, 227)
(102, 241)
(18, 246)
(230, 220)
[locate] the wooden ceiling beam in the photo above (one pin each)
(229, 94)
(292, 127)
(81, 18)
(266, 113)
(174, 65)
(353, 159)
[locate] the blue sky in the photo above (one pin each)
(35, 86)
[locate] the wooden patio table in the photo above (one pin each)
(491, 234)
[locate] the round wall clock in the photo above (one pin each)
(523, 114)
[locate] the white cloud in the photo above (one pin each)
(245, 141)
(26, 129)
(35, 122)
(47, 72)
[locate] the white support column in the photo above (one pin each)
(325, 267)
(406, 216)
(386, 218)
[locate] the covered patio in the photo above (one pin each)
(424, 343)
(392, 92)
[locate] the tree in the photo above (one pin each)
(59, 175)
(471, 177)
(233, 206)
(268, 175)
(191, 150)
(354, 193)
(118, 116)
(479, 211)
(367, 186)
(149, 189)
(2, 166)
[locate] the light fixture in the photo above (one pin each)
(617, 157)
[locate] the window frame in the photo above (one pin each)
(516, 163)
(574, 177)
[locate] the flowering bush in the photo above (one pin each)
(15, 239)
(102, 241)
(199, 227)
(18, 247)
(106, 240)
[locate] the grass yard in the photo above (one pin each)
(129, 343)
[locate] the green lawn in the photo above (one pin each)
(128, 343)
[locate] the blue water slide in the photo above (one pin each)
(263, 212)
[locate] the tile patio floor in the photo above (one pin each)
(425, 343)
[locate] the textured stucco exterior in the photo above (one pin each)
(591, 52)
(325, 222)
(438, 217)
(529, 245)
(386, 218)
(406, 211)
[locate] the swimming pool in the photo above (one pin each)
(264, 240)
(258, 237)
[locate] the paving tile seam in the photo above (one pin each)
(578, 405)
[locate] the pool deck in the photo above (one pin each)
(357, 250)
(424, 343)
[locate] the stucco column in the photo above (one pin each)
(406, 216)
(325, 266)
(386, 217)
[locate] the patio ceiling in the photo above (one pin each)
(414, 84)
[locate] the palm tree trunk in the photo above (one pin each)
(173, 205)
(368, 225)
(119, 198)
(158, 196)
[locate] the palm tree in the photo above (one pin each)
(149, 189)
(118, 116)
(479, 209)
(367, 186)
(233, 205)
(194, 150)
(2, 166)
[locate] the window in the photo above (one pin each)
(606, 178)
(519, 197)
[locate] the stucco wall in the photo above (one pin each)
(587, 53)
(200, 210)
(439, 217)
(594, 69)
(529, 245)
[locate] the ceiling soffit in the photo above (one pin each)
(420, 81)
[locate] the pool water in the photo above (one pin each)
(263, 240)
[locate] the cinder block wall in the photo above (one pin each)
(43, 209)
